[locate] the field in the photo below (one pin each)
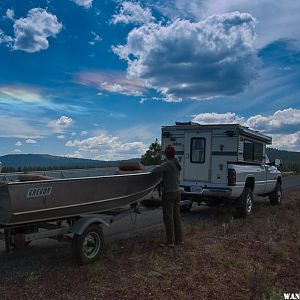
(223, 258)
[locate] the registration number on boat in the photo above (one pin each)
(38, 192)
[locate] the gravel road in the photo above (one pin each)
(47, 255)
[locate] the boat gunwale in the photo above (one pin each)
(72, 178)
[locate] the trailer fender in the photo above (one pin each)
(79, 226)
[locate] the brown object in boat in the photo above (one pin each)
(131, 166)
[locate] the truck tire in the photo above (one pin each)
(245, 203)
(88, 246)
(276, 195)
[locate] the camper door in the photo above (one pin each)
(197, 156)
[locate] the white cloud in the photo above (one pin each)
(85, 3)
(19, 144)
(278, 121)
(61, 137)
(95, 38)
(30, 141)
(76, 154)
(10, 14)
(286, 120)
(132, 13)
(83, 132)
(215, 118)
(109, 147)
(63, 121)
(5, 38)
(282, 125)
(61, 124)
(16, 151)
(33, 31)
(289, 142)
(200, 60)
(276, 19)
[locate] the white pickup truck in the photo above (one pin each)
(223, 164)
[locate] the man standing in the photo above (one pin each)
(171, 198)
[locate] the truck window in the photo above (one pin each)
(197, 150)
(253, 151)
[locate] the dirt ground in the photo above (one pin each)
(222, 258)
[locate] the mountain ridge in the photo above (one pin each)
(51, 161)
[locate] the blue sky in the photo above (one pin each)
(98, 79)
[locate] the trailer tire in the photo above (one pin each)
(186, 207)
(276, 195)
(88, 246)
(245, 203)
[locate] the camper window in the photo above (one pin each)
(253, 151)
(197, 150)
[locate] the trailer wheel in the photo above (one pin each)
(88, 246)
(245, 203)
(276, 195)
(186, 207)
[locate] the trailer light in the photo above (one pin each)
(231, 177)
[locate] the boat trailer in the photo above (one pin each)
(84, 232)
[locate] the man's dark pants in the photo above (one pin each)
(171, 213)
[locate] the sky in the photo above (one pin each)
(97, 79)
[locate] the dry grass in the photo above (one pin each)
(223, 258)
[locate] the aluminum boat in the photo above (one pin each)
(55, 195)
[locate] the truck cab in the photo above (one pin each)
(223, 163)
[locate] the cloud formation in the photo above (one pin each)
(5, 38)
(276, 20)
(108, 147)
(285, 119)
(10, 14)
(61, 124)
(33, 31)
(132, 13)
(200, 60)
(112, 83)
(30, 141)
(85, 3)
(215, 118)
(282, 125)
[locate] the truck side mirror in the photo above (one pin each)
(277, 162)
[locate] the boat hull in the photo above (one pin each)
(37, 201)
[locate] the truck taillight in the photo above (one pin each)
(231, 177)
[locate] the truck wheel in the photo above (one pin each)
(88, 246)
(276, 195)
(245, 203)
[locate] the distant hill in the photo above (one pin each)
(20, 162)
(290, 159)
(45, 161)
